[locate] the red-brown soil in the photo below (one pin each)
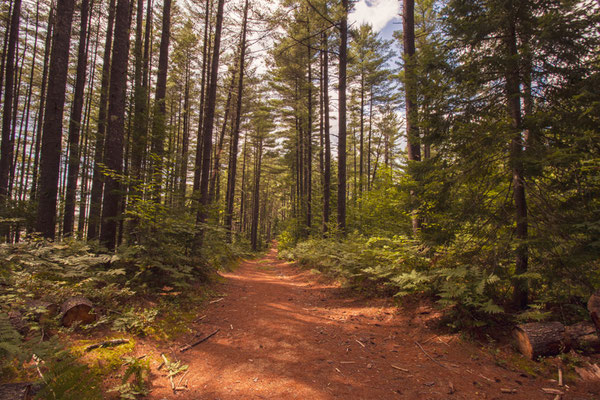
(287, 334)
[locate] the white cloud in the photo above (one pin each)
(375, 12)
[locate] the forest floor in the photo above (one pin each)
(287, 333)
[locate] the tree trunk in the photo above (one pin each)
(6, 149)
(521, 290)
(217, 158)
(53, 119)
(361, 161)
(113, 154)
(43, 93)
(160, 110)
(75, 122)
(235, 134)
(256, 194)
(243, 188)
(203, 84)
(185, 140)
(327, 171)
(207, 129)
(95, 218)
(341, 200)
(309, 128)
(5, 49)
(25, 160)
(412, 134)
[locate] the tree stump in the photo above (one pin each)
(539, 338)
(77, 309)
(593, 307)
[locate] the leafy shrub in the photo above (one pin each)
(135, 321)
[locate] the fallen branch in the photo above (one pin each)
(560, 376)
(181, 379)
(107, 343)
(428, 356)
(399, 369)
(508, 391)
(196, 343)
(552, 391)
(359, 342)
(216, 301)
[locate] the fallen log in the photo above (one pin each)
(536, 339)
(582, 336)
(77, 309)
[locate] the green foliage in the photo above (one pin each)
(69, 379)
(10, 345)
(135, 321)
(133, 383)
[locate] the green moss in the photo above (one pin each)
(103, 360)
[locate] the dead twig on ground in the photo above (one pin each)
(428, 356)
(399, 369)
(196, 343)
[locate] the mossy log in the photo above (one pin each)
(77, 309)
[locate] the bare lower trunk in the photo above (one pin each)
(53, 119)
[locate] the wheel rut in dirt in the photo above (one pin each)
(285, 333)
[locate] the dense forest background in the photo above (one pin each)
(154, 141)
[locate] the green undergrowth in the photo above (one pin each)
(150, 290)
(470, 283)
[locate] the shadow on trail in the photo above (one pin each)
(285, 335)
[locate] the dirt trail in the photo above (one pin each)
(286, 335)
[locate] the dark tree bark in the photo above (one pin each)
(40, 117)
(95, 212)
(243, 188)
(513, 98)
(327, 169)
(256, 193)
(75, 122)
(362, 132)
(4, 50)
(53, 119)
(113, 154)
(26, 159)
(139, 132)
(235, 134)
(185, 140)
(341, 200)
(207, 129)
(6, 149)
(412, 134)
(309, 129)
(85, 174)
(217, 158)
(203, 87)
(160, 110)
